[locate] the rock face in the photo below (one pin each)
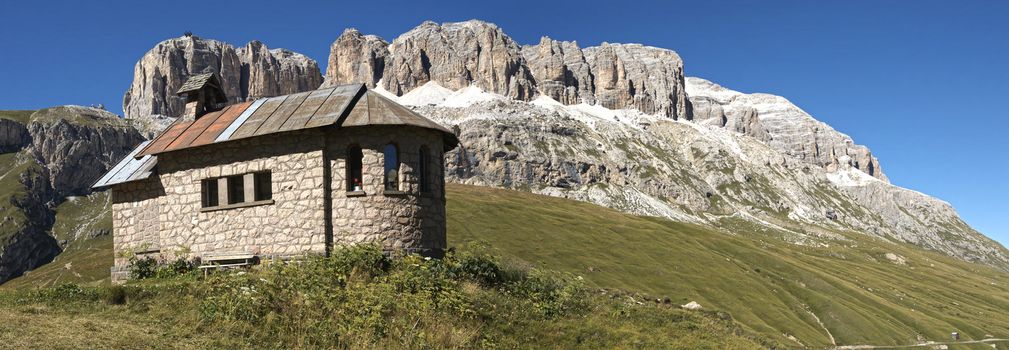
(76, 145)
(276, 72)
(356, 58)
(561, 71)
(790, 129)
(476, 53)
(692, 172)
(250, 72)
(457, 55)
(13, 136)
(68, 148)
(644, 78)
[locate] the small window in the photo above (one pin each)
(209, 190)
(263, 186)
(391, 167)
(422, 170)
(236, 189)
(354, 180)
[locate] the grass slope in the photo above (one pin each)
(83, 226)
(825, 292)
(17, 115)
(13, 166)
(358, 299)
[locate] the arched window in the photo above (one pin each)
(391, 167)
(422, 170)
(354, 180)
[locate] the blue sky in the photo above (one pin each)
(923, 83)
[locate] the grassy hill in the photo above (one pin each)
(839, 289)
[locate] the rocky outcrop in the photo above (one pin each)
(745, 120)
(250, 72)
(561, 71)
(788, 128)
(356, 58)
(476, 53)
(163, 69)
(13, 136)
(693, 172)
(644, 78)
(276, 72)
(457, 55)
(76, 145)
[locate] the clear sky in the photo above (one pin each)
(924, 84)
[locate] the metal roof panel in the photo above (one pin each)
(277, 119)
(226, 135)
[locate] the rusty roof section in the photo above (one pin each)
(346, 106)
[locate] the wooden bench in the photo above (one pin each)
(225, 260)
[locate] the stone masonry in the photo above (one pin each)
(162, 216)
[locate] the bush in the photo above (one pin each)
(141, 268)
(148, 267)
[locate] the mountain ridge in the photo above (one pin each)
(621, 125)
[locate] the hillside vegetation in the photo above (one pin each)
(757, 287)
(358, 298)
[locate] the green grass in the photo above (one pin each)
(85, 259)
(770, 287)
(82, 117)
(16, 115)
(12, 167)
(83, 216)
(359, 299)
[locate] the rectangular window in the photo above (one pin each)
(210, 194)
(422, 169)
(236, 189)
(264, 190)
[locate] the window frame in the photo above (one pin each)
(354, 164)
(424, 169)
(233, 193)
(397, 167)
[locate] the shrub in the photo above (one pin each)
(141, 268)
(148, 267)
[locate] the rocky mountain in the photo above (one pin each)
(615, 124)
(54, 153)
(620, 125)
(248, 72)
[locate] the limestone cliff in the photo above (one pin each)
(457, 55)
(783, 125)
(252, 71)
(13, 135)
(356, 58)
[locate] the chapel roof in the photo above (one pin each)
(344, 106)
(352, 105)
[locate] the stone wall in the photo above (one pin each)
(135, 218)
(292, 225)
(162, 216)
(411, 221)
